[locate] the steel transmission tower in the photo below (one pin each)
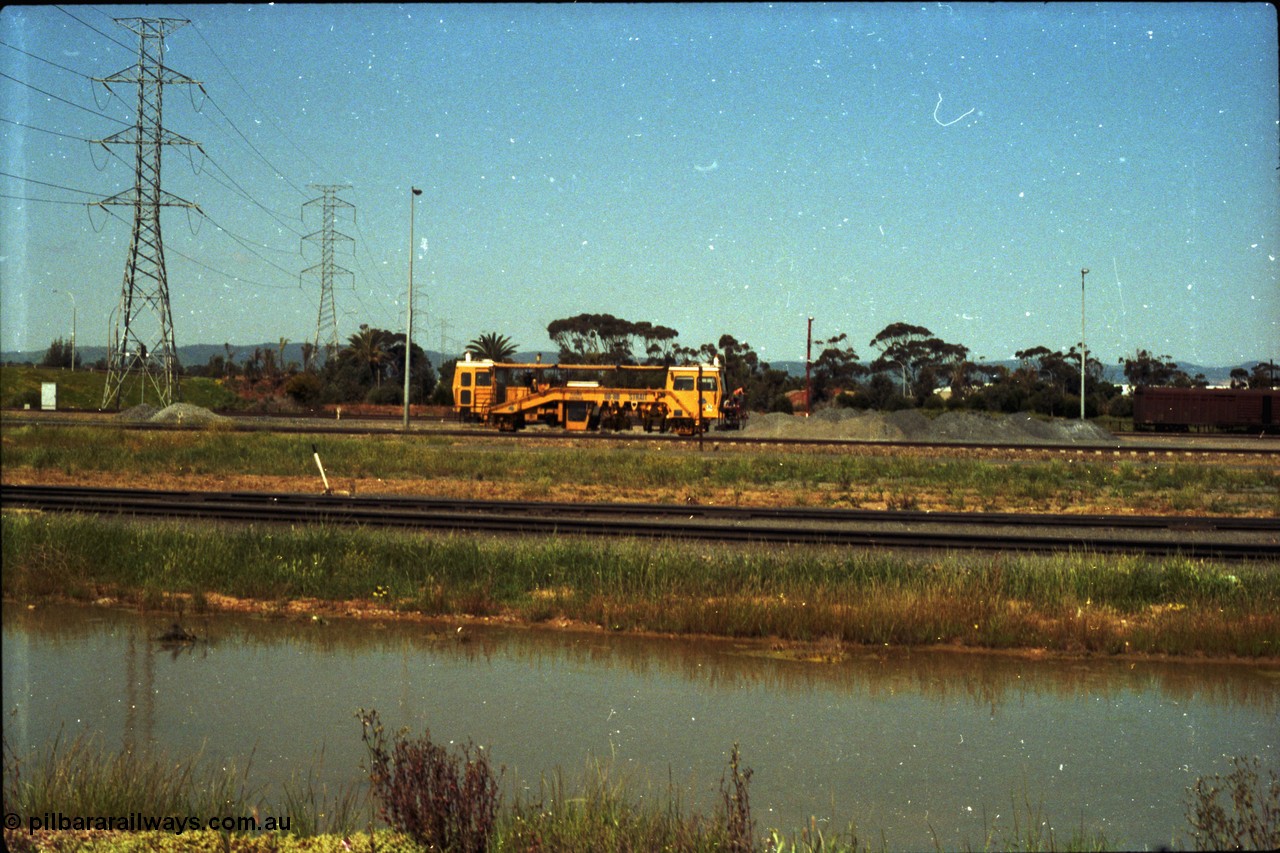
(327, 321)
(142, 339)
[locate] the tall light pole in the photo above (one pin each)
(408, 335)
(1083, 351)
(808, 360)
(72, 297)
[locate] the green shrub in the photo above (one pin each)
(21, 399)
(384, 395)
(304, 388)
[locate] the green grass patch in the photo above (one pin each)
(1074, 603)
(79, 777)
(82, 389)
(416, 793)
(605, 811)
(803, 478)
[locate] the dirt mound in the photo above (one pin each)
(913, 425)
(185, 413)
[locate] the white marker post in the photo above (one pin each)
(323, 478)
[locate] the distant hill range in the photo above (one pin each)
(1114, 373)
(199, 354)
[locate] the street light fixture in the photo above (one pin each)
(1083, 351)
(408, 335)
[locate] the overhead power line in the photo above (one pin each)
(62, 99)
(261, 111)
(45, 130)
(95, 29)
(47, 61)
(249, 197)
(252, 147)
(47, 184)
(243, 243)
(44, 200)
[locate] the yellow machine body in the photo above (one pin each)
(684, 399)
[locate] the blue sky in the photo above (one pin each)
(713, 168)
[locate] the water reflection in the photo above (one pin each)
(906, 743)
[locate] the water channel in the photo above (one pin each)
(907, 744)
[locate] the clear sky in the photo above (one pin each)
(713, 168)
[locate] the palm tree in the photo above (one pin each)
(492, 346)
(368, 347)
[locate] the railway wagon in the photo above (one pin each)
(1183, 409)
(683, 399)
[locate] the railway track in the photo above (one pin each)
(1199, 537)
(1130, 445)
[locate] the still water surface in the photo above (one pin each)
(907, 745)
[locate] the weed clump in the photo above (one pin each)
(1251, 818)
(442, 801)
(740, 827)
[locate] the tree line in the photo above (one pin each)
(906, 366)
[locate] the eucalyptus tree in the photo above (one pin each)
(741, 367)
(836, 368)
(606, 339)
(924, 360)
(1145, 369)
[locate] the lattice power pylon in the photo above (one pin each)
(327, 321)
(142, 342)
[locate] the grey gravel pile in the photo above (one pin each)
(185, 413)
(912, 425)
(138, 414)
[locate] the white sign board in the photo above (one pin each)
(49, 396)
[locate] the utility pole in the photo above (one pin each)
(408, 332)
(327, 319)
(1083, 351)
(142, 340)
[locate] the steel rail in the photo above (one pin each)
(687, 511)
(891, 529)
(1120, 448)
